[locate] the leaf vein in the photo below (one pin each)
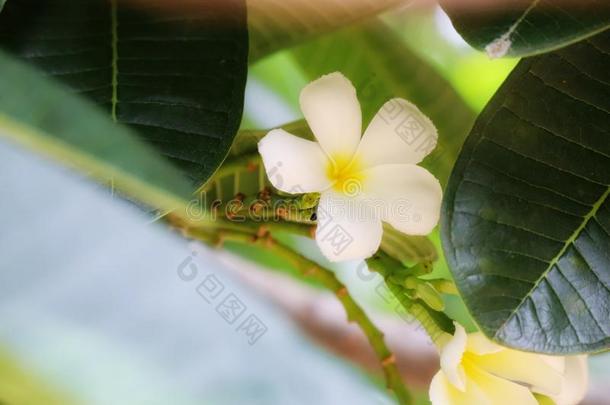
(557, 193)
(522, 199)
(538, 126)
(573, 97)
(545, 163)
(542, 235)
(565, 247)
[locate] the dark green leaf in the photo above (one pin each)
(175, 75)
(40, 114)
(527, 27)
(382, 67)
(278, 24)
(526, 221)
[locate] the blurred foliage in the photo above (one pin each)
(281, 74)
(260, 255)
(45, 116)
(274, 26)
(429, 33)
(17, 386)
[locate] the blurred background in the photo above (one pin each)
(99, 304)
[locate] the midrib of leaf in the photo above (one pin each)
(571, 41)
(115, 57)
(511, 39)
(53, 147)
(507, 34)
(194, 135)
(558, 257)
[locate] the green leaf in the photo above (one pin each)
(2, 4)
(277, 24)
(528, 27)
(526, 216)
(19, 386)
(175, 75)
(382, 67)
(39, 114)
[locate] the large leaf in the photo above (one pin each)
(382, 67)
(278, 24)
(38, 113)
(528, 27)
(175, 75)
(526, 224)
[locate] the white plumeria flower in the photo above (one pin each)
(474, 370)
(362, 180)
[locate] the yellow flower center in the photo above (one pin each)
(346, 174)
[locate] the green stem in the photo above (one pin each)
(436, 324)
(309, 268)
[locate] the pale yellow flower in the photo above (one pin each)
(363, 180)
(476, 371)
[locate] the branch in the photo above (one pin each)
(321, 316)
(327, 278)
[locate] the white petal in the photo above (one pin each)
(399, 133)
(408, 196)
(527, 368)
(333, 113)
(576, 381)
(347, 228)
(442, 392)
(557, 362)
(479, 344)
(293, 165)
(498, 390)
(451, 358)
